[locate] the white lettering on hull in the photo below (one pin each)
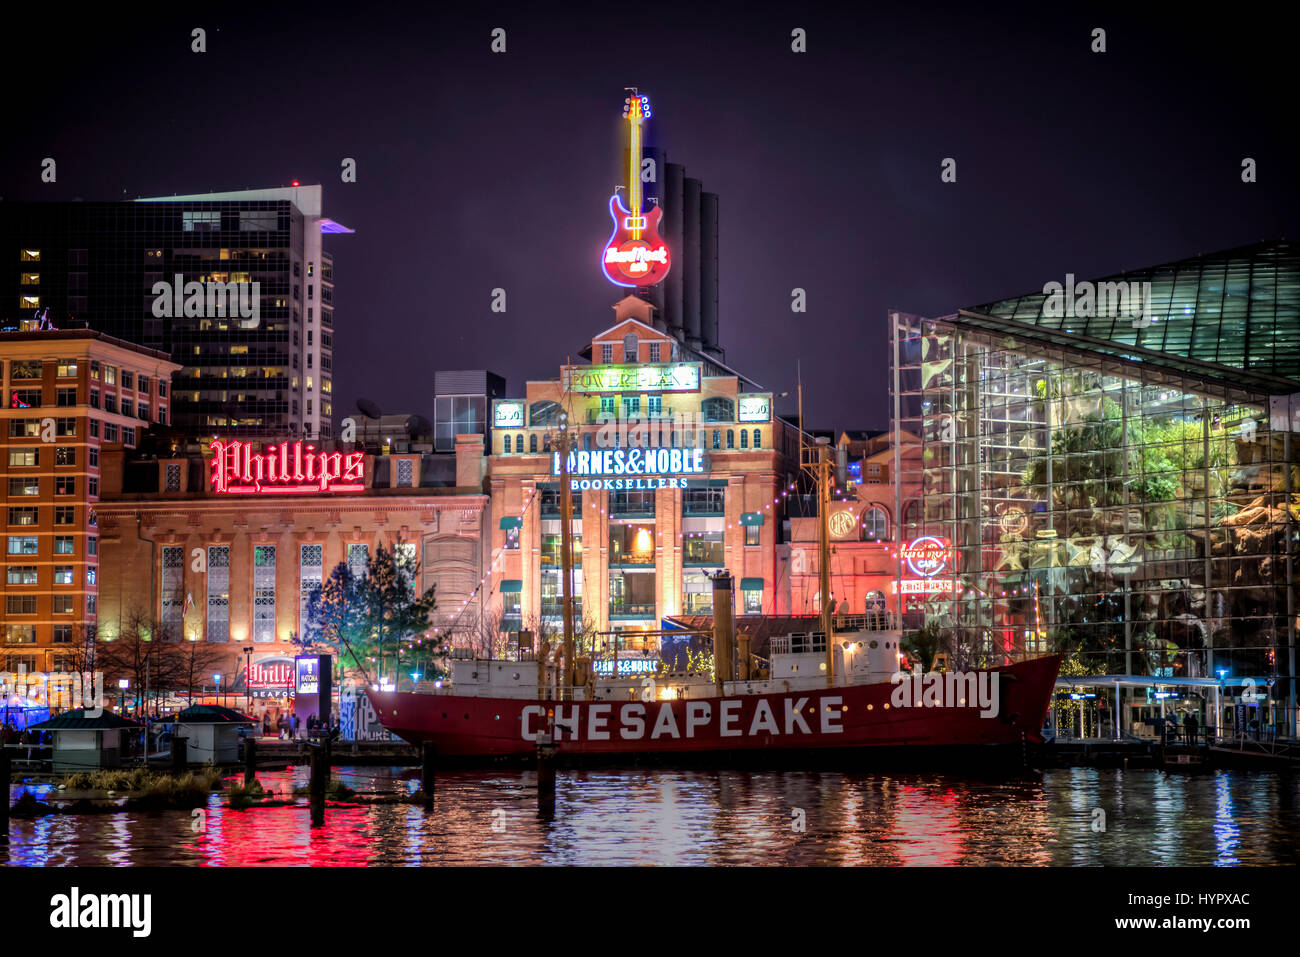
(603, 720)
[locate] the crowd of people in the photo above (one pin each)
(289, 728)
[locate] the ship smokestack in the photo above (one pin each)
(724, 628)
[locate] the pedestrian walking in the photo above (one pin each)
(1189, 726)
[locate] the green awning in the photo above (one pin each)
(512, 522)
(751, 584)
(752, 518)
(511, 586)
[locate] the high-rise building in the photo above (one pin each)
(236, 287)
(71, 396)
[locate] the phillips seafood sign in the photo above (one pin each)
(286, 469)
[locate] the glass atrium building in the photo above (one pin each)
(1113, 476)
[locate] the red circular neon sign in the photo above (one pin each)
(926, 556)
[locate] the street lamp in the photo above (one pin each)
(123, 684)
(216, 677)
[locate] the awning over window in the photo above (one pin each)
(751, 584)
(511, 586)
(512, 522)
(752, 518)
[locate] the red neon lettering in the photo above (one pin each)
(284, 469)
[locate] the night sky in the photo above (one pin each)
(479, 170)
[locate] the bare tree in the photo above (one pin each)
(190, 662)
(138, 654)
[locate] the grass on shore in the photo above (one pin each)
(150, 789)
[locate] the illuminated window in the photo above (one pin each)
(358, 560)
(263, 593)
(30, 256)
(218, 621)
(506, 444)
(875, 524)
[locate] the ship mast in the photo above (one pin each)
(566, 553)
(820, 468)
(824, 554)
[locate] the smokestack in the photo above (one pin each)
(691, 260)
(724, 628)
(709, 271)
(673, 231)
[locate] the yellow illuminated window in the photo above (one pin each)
(29, 302)
(31, 279)
(30, 256)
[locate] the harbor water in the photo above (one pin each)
(1068, 817)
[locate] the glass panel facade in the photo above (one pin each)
(1133, 519)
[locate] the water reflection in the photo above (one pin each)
(709, 818)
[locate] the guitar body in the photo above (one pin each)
(634, 257)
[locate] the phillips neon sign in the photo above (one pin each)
(286, 469)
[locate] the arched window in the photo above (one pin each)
(875, 600)
(586, 440)
(758, 438)
(506, 445)
(718, 409)
(744, 438)
(717, 439)
(731, 438)
(519, 442)
(912, 515)
(629, 348)
(532, 442)
(546, 442)
(674, 440)
(875, 524)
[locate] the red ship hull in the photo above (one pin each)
(854, 720)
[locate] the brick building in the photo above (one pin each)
(213, 561)
(71, 398)
(679, 470)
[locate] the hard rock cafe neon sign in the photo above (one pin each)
(634, 255)
(926, 556)
(287, 469)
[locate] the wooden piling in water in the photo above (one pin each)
(428, 755)
(4, 805)
(250, 761)
(546, 753)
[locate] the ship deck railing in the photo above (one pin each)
(871, 621)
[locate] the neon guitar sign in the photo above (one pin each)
(634, 255)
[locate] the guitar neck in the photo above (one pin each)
(634, 174)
